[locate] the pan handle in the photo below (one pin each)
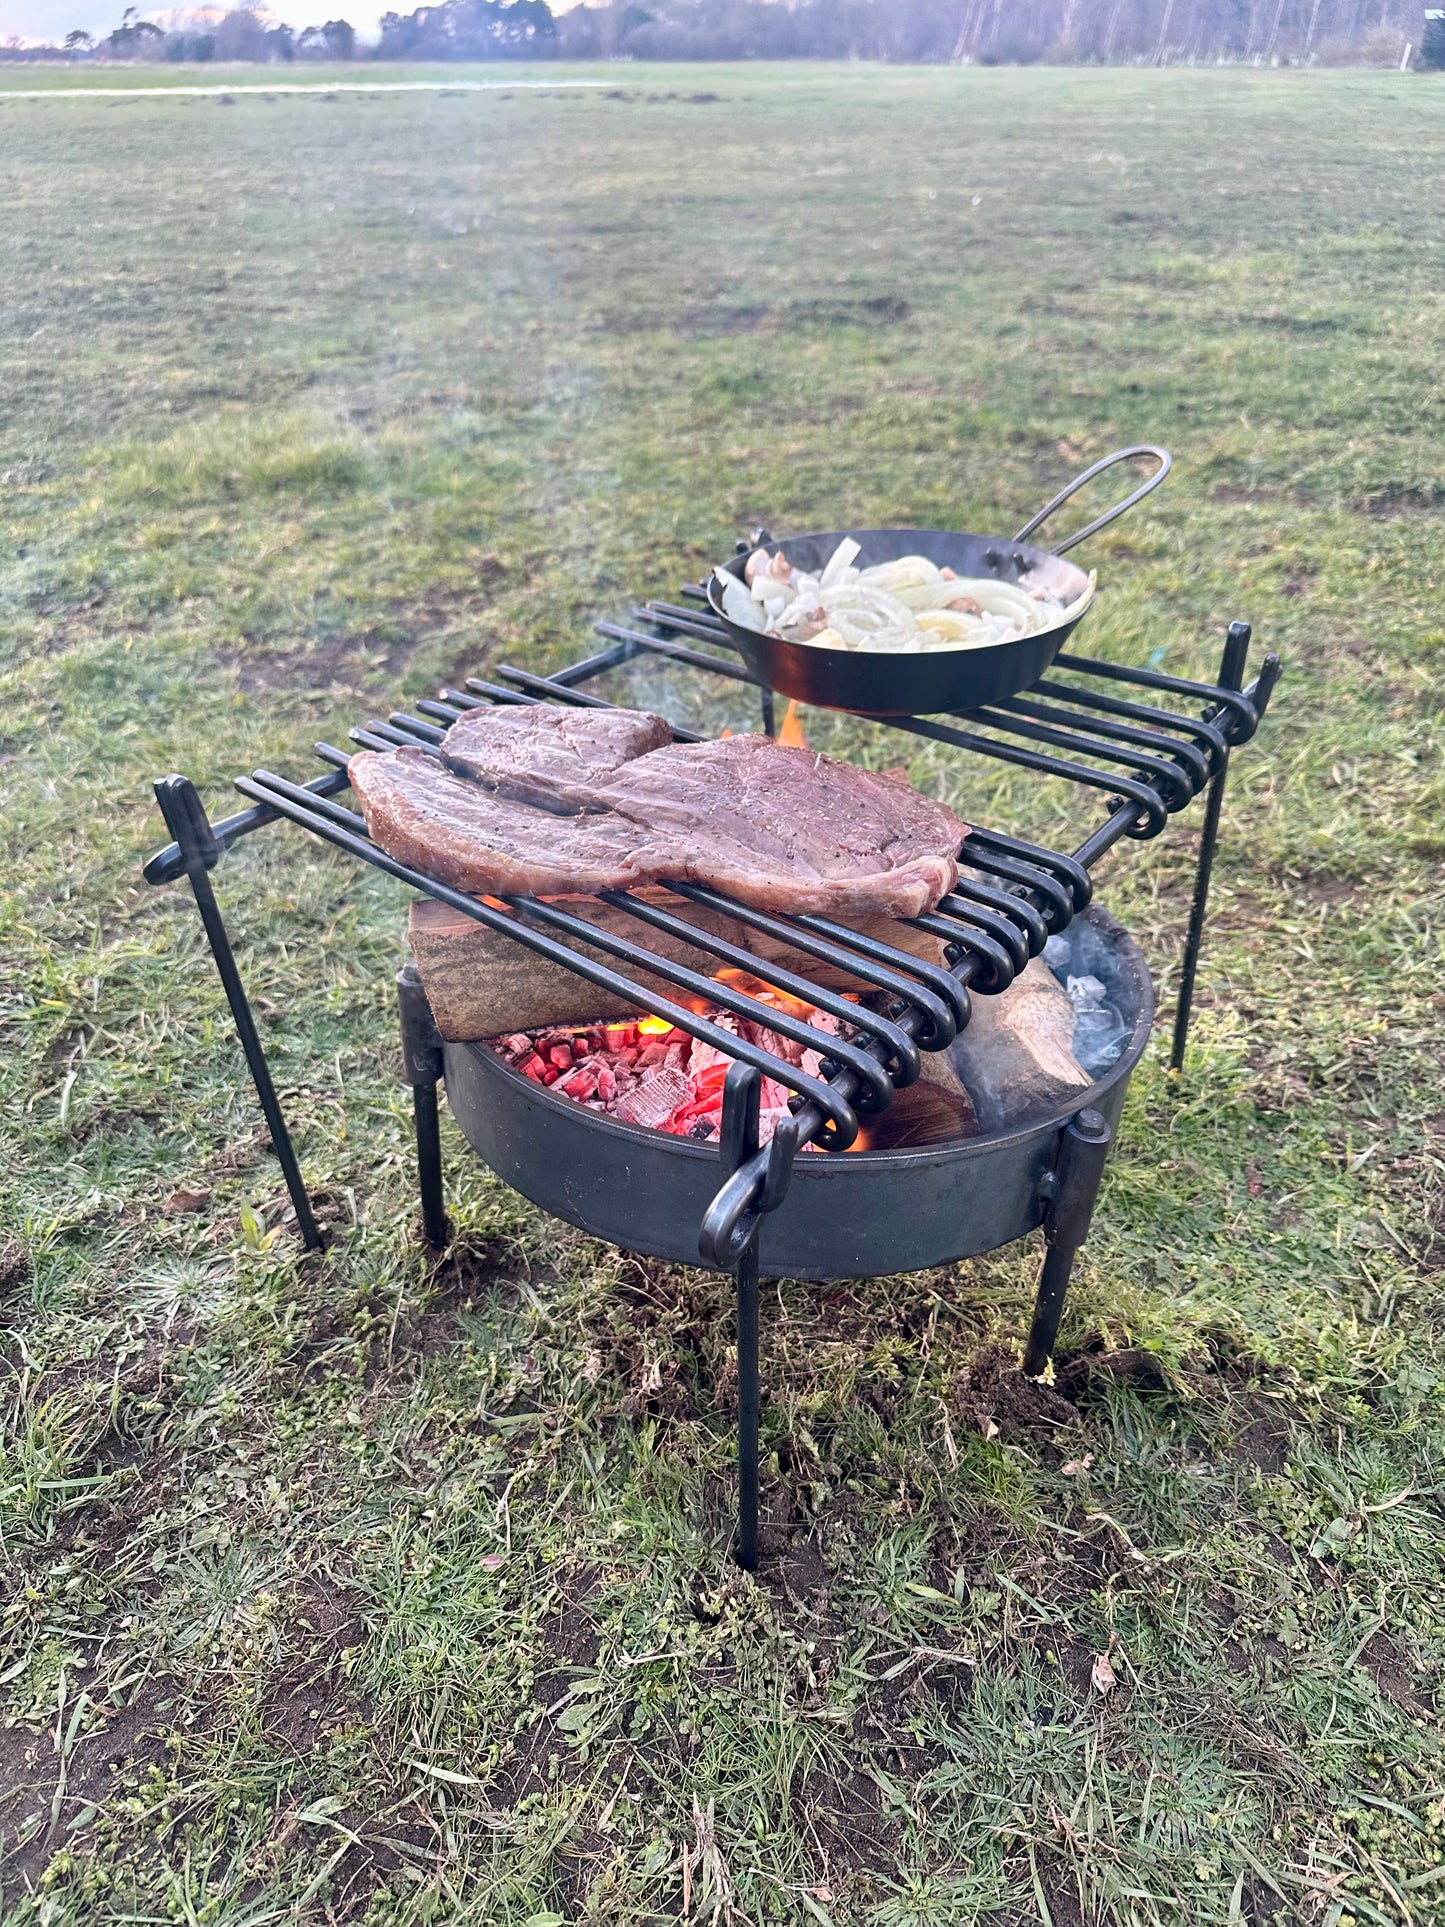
(1161, 455)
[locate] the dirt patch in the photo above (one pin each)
(1089, 1371)
(1397, 1677)
(1262, 1439)
(312, 1688)
(1401, 498)
(127, 1740)
(748, 318)
(992, 1396)
(664, 1337)
(844, 1807)
(352, 663)
(14, 1268)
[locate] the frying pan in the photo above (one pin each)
(876, 683)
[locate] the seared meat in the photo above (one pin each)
(423, 815)
(548, 755)
(787, 829)
(777, 828)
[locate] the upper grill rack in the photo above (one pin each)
(1148, 760)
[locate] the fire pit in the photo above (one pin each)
(865, 1214)
(726, 1186)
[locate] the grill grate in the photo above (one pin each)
(1148, 760)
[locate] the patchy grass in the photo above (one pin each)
(354, 1589)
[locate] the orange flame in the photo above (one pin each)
(791, 732)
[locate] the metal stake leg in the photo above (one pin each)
(188, 823)
(1081, 1165)
(749, 1408)
(739, 1133)
(422, 1068)
(1231, 676)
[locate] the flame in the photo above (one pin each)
(654, 1026)
(791, 732)
(727, 732)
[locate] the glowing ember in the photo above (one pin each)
(647, 1072)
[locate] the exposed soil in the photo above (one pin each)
(1088, 1371)
(128, 1739)
(311, 1689)
(1391, 1670)
(992, 1396)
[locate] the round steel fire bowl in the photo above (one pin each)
(847, 1215)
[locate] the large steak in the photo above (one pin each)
(548, 755)
(777, 828)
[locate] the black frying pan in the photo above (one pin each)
(875, 683)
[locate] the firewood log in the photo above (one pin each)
(935, 1110)
(482, 983)
(1016, 1056)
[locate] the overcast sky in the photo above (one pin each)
(52, 20)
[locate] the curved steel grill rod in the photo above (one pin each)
(1002, 948)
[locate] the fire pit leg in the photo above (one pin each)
(739, 1133)
(200, 849)
(1231, 676)
(421, 1057)
(1085, 1146)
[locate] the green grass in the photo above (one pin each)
(359, 1590)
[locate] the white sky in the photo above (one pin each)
(52, 20)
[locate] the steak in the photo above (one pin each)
(423, 815)
(548, 755)
(777, 828)
(790, 830)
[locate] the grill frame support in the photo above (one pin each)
(200, 850)
(758, 1184)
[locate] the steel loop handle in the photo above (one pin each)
(757, 1178)
(1147, 487)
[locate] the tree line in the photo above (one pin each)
(986, 31)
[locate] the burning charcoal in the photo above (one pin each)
(561, 1056)
(606, 1083)
(678, 1053)
(654, 1055)
(579, 1084)
(654, 1098)
(517, 1045)
(626, 1059)
(550, 1074)
(621, 1036)
(531, 1065)
(580, 1047)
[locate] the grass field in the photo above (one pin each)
(360, 1590)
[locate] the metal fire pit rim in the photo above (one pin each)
(958, 1148)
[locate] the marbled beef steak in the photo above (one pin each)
(777, 828)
